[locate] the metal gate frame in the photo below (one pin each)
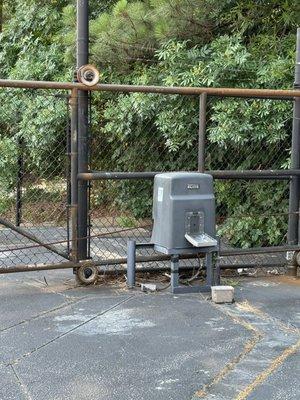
(81, 175)
(78, 177)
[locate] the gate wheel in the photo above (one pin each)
(87, 274)
(88, 75)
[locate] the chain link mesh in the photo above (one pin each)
(138, 132)
(34, 175)
(151, 132)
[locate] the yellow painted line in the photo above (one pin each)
(276, 363)
(248, 347)
(229, 367)
(246, 306)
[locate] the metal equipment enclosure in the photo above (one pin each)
(183, 203)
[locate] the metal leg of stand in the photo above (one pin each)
(174, 272)
(131, 258)
(209, 269)
(217, 280)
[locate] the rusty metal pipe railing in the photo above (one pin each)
(223, 92)
(143, 259)
(202, 131)
(158, 258)
(246, 174)
(255, 174)
(294, 195)
(82, 59)
(74, 172)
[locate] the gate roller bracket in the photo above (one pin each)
(88, 75)
(87, 274)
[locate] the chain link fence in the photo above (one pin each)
(34, 176)
(151, 132)
(137, 132)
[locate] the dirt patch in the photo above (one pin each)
(285, 279)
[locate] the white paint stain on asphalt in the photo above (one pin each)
(262, 284)
(166, 384)
(114, 322)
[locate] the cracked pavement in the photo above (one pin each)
(59, 341)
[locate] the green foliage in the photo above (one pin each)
(122, 36)
(39, 122)
(8, 159)
(252, 18)
(31, 48)
(126, 222)
(252, 214)
(135, 198)
(133, 30)
(28, 48)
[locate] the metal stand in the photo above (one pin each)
(174, 271)
(212, 269)
(212, 276)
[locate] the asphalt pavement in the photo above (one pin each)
(61, 341)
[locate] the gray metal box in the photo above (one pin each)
(183, 206)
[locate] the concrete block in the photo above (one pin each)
(222, 294)
(148, 287)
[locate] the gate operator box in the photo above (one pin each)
(183, 213)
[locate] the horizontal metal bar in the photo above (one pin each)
(259, 250)
(224, 92)
(164, 268)
(145, 245)
(160, 257)
(217, 174)
(48, 267)
(255, 174)
(236, 251)
(95, 175)
(32, 268)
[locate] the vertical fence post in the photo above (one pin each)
(74, 173)
(89, 187)
(68, 172)
(294, 197)
(202, 131)
(82, 59)
(20, 175)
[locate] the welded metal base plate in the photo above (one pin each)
(191, 289)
